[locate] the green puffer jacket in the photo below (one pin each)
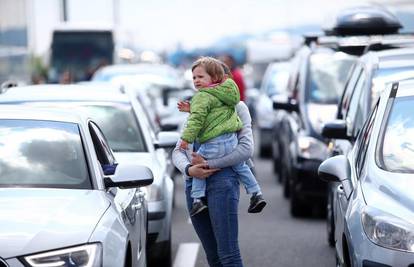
(213, 113)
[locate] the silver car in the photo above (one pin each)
(129, 134)
(374, 203)
(61, 200)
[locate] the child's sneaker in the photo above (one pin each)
(198, 206)
(257, 203)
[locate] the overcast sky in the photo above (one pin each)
(162, 24)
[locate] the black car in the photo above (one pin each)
(318, 80)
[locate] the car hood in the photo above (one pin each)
(319, 114)
(34, 220)
(146, 159)
(392, 193)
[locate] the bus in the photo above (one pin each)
(78, 51)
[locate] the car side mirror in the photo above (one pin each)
(335, 169)
(167, 140)
(290, 106)
(130, 176)
(335, 130)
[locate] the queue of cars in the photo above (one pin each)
(129, 135)
(101, 183)
(328, 123)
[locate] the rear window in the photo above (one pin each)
(42, 154)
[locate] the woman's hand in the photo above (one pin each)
(201, 171)
(183, 106)
(197, 159)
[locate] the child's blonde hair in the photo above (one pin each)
(212, 66)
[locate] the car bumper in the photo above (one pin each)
(306, 181)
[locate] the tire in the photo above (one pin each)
(297, 205)
(265, 152)
(285, 183)
(164, 260)
(330, 223)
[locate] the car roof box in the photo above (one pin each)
(363, 20)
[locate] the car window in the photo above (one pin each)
(36, 153)
(396, 150)
(355, 117)
(104, 152)
(349, 89)
(117, 121)
(364, 139)
(327, 77)
(276, 81)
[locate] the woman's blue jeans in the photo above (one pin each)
(217, 227)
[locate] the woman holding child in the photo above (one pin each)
(219, 129)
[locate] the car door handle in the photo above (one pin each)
(137, 206)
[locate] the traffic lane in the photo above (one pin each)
(182, 230)
(269, 238)
(274, 237)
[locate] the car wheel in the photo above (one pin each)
(285, 182)
(330, 223)
(164, 259)
(265, 152)
(297, 205)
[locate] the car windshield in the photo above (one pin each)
(327, 77)
(42, 154)
(397, 150)
(277, 82)
(116, 120)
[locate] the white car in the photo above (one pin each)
(61, 202)
(274, 83)
(157, 86)
(129, 134)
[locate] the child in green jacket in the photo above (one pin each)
(213, 123)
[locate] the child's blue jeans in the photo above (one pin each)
(217, 148)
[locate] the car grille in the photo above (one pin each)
(3, 263)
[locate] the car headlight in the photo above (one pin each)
(312, 148)
(387, 230)
(155, 192)
(89, 255)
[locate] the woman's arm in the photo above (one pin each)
(245, 148)
(181, 160)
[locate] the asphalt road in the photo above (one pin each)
(268, 239)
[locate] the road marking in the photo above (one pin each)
(186, 255)
(189, 221)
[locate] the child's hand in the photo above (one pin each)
(183, 106)
(183, 145)
(197, 159)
